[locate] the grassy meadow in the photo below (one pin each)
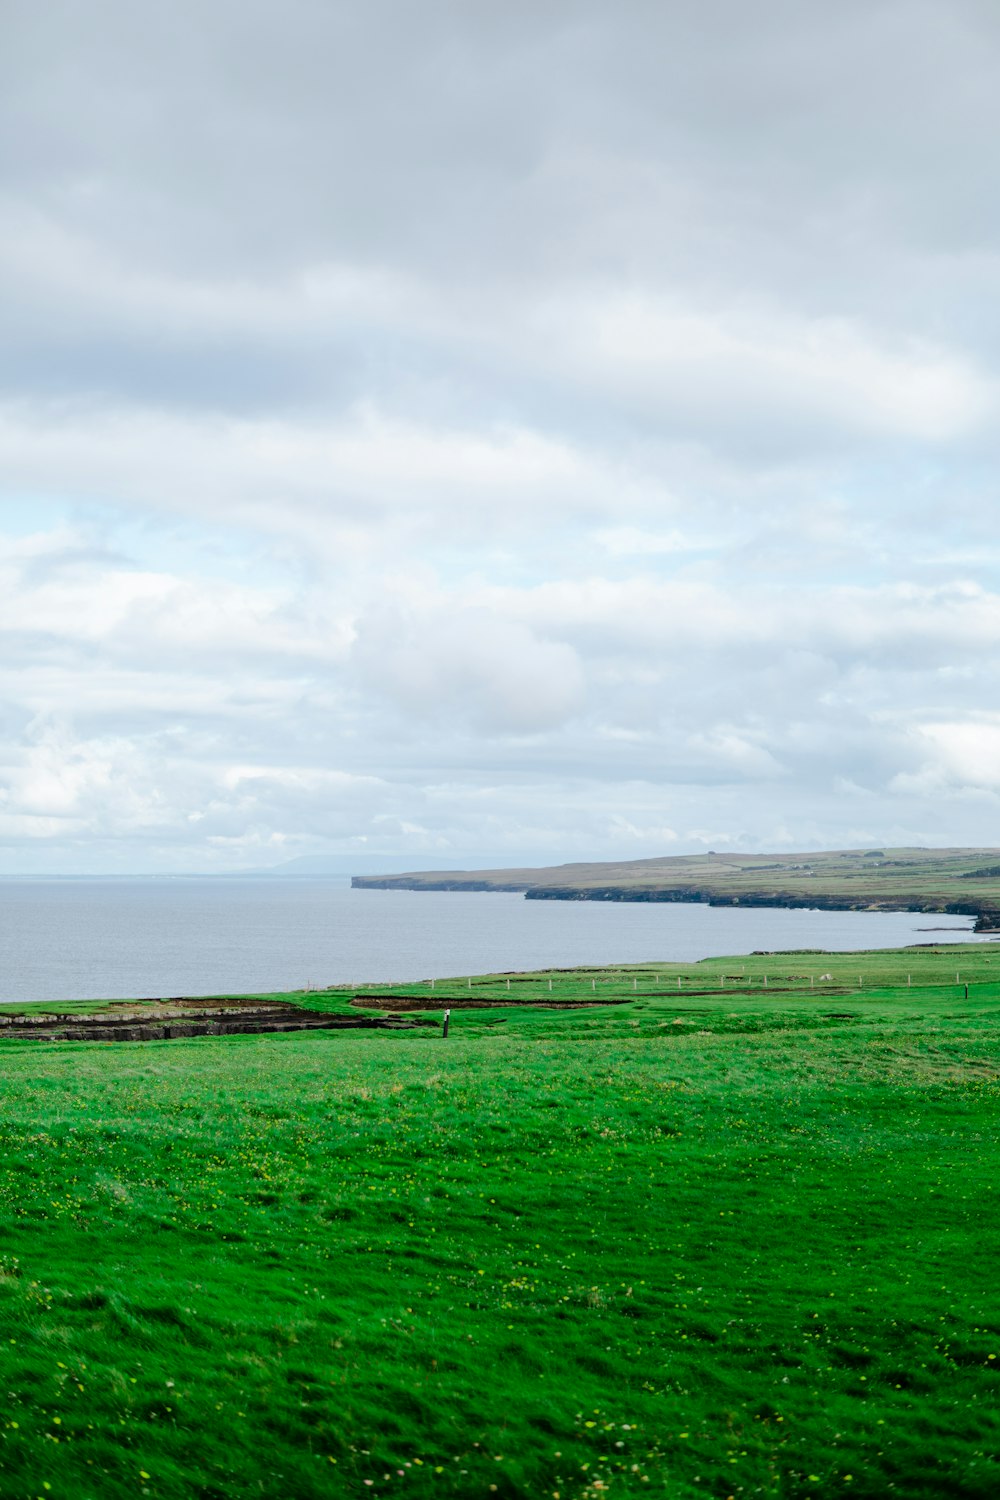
(723, 1239)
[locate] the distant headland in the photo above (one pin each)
(957, 882)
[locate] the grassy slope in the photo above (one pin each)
(927, 879)
(699, 1244)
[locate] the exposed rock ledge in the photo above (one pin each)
(987, 918)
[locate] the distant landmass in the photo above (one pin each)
(958, 882)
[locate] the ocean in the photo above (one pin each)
(87, 939)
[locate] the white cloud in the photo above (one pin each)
(323, 483)
(467, 666)
(963, 753)
(631, 541)
(734, 367)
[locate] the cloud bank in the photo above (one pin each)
(478, 433)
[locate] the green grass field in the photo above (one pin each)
(721, 1241)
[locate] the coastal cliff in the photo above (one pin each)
(952, 882)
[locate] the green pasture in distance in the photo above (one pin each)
(717, 1244)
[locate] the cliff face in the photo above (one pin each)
(956, 882)
(987, 919)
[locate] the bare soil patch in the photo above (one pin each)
(462, 1002)
(181, 1016)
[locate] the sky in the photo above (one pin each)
(474, 433)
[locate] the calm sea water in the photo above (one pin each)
(91, 939)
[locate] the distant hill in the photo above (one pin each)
(964, 882)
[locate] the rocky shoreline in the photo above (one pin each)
(987, 915)
(987, 918)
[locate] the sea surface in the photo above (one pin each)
(86, 939)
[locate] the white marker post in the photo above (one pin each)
(447, 1018)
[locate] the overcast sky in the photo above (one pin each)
(496, 431)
